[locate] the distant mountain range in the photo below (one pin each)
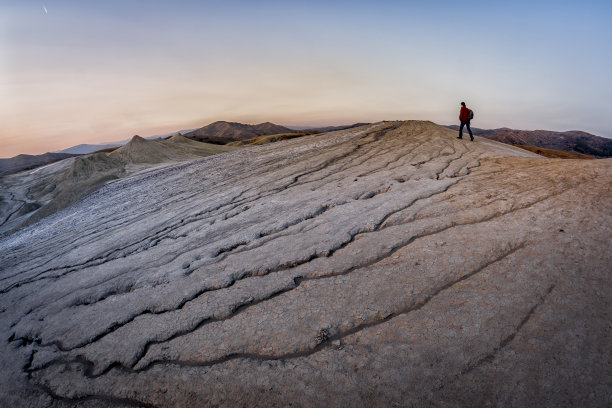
(555, 154)
(90, 148)
(572, 141)
(27, 161)
(222, 132)
(328, 128)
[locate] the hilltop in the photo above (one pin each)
(384, 265)
(222, 132)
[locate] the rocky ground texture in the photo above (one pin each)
(30, 196)
(385, 265)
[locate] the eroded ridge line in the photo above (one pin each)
(303, 261)
(211, 213)
(323, 340)
(12, 198)
(233, 203)
(291, 265)
(104, 398)
(374, 134)
(117, 253)
(288, 266)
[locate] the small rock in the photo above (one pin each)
(322, 336)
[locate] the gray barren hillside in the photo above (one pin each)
(30, 196)
(385, 265)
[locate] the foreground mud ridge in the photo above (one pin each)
(385, 265)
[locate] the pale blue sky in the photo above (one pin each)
(89, 71)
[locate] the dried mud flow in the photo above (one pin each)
(385, 265)
(30, 196)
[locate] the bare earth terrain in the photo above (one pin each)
(385, 265)
(29, 196)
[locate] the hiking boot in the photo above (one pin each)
(459, 137)
(472, 139)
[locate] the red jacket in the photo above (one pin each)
(464, 114)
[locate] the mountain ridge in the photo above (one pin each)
(222, 132)
(576, 141)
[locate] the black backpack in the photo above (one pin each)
(470, 114)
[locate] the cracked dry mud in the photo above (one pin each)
(387, 265)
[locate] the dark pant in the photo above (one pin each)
(465, 123)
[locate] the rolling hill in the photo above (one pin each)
(224, 132)
(385, 265)
(31, 196)
(27, 161)
(555, 154)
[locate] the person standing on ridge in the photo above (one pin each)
(465, 115)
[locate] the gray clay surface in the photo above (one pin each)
(386, 265)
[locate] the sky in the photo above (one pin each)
(93, 71)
